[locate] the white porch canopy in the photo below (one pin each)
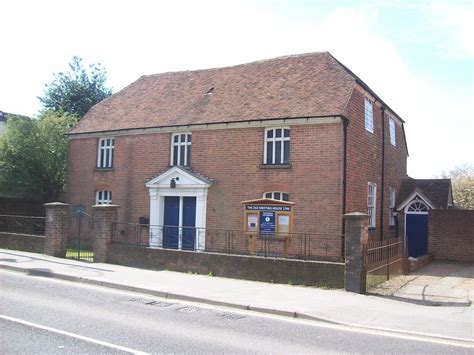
(185, 183)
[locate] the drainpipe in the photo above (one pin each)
(345, 123)
(382, 187)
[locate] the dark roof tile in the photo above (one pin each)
(437, 190)
(313, 84)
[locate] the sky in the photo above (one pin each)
(416, 55)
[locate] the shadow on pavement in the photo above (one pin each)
(40, 272)
(428, 303)
(8, 260)
(53, 262)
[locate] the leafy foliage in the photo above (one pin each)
(77, 90)
(462, 179)
(33, 156)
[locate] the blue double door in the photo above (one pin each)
(417, 234)
(179, 222)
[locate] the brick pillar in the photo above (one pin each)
(104, 216)
(57, 228)
(356, 238)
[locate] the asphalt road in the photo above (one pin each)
(39, 315)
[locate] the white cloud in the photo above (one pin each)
(135, 38)
(453, 21)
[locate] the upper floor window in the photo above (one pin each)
(371, 203)
(181, 149)
(277, 146)
(391, 124)
(391, 203)
(103, 197)
(277, 195)
(369, 115)
(105, 153)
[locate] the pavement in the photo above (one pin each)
(448, 320)
(441, 283)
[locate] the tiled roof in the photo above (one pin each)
(436, 190)
(313, 84)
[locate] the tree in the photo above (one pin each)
(33, 156)
(462, 179)
(77, 90)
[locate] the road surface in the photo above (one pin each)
(40, 315)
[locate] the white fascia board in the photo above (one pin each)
(211, 126)
(412, 197)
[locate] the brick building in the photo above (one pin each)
(186, 148)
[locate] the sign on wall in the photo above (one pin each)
(267, 208)
(268, 217)
(252, 222)
(267, 222)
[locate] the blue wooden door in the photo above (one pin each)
(189, 222)
(171, 222)
(417, 234)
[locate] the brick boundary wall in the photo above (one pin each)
(451, 234)
(23, 242)
(298, 272)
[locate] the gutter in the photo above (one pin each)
(249, 122)
(345, 123)
(382, 187)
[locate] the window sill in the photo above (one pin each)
(275, 166)
(104, 169)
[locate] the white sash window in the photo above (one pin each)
(277, 146)
(105, 153)
(369, 116)
(371, 203)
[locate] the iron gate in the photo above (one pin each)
(383, 260)
(80, 240)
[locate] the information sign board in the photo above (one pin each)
(267, 222)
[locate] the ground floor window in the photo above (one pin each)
(103, 197)
(277, 195)
(391, 217)
(371, 203)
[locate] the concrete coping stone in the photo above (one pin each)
(355, 215)
(105, 206)
(55, 204)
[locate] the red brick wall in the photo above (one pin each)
(233, 158)
(364, 161)
(451, 234)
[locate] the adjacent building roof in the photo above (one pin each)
(307, 85)
(438, 191)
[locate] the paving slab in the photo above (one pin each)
(336, 306)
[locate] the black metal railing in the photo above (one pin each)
(383, 260)
(80, 245)
(305, 246)
(22, 224)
